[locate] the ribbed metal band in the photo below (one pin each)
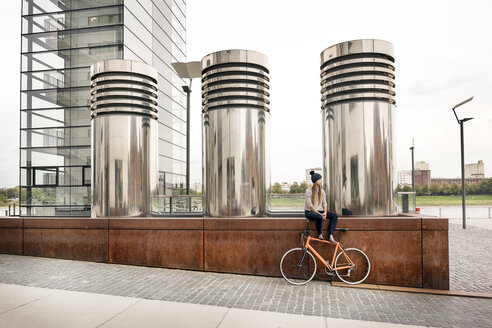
(235, 78)
(123, 86)
(359, 70)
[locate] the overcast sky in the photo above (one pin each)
(443, 53)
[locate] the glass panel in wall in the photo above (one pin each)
(53, 79)
(50, 118)
(30, 7)
(53, 60)
(60, 40)
(54, 22)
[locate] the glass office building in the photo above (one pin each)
(60, 40)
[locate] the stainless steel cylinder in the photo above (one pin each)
(358, 101)
(124, 138)
(236, 121)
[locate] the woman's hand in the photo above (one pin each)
(324, 216)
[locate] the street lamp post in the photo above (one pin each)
(413, 169)
(187, 89)
(460, 122)
(189, 70)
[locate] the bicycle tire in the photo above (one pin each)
(359, 273)
(294, 274)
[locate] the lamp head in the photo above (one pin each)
(463, 102)
(189, 70)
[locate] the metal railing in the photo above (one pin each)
(178, 205)
(10, 210)
(193, 205)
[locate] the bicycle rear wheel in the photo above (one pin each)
(356, 274)
(298, 266)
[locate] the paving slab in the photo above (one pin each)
(337, 323)
(479, 223)
(13, 296)
(90, 310)
(238, 318)
(66, 309)
(149, 314)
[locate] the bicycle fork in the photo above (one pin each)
(304, 251)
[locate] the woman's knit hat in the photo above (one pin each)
(315, 176)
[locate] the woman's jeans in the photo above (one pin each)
(311, 215)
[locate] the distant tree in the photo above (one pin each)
(418, 190)
(13, 192)
(406, 188)
(473, 189)
(425, 190)
(455, 189)
(277, 188)
(445, 189)
(484, 187)
(294, 188)
(434, 189)
(488, 186)
(302, 187)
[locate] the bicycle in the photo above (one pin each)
(298, 265)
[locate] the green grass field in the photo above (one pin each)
(421, 200)
(287, 202)
(454, 200)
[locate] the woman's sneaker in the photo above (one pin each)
(320, 236)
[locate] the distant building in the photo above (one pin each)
(422, 177)
(421, 165)
(285, 186)
(318, 170)
(197, 186)
(404, 178)
(474, 171)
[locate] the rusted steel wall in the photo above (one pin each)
(404, 251)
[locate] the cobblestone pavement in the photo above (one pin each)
(470, 258)
(247, 292)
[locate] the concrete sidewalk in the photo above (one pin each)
(22, 306)
(480, 223)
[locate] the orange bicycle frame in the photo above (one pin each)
(337, 248)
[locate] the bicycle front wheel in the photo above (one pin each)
(356, 274)
(298, 266)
